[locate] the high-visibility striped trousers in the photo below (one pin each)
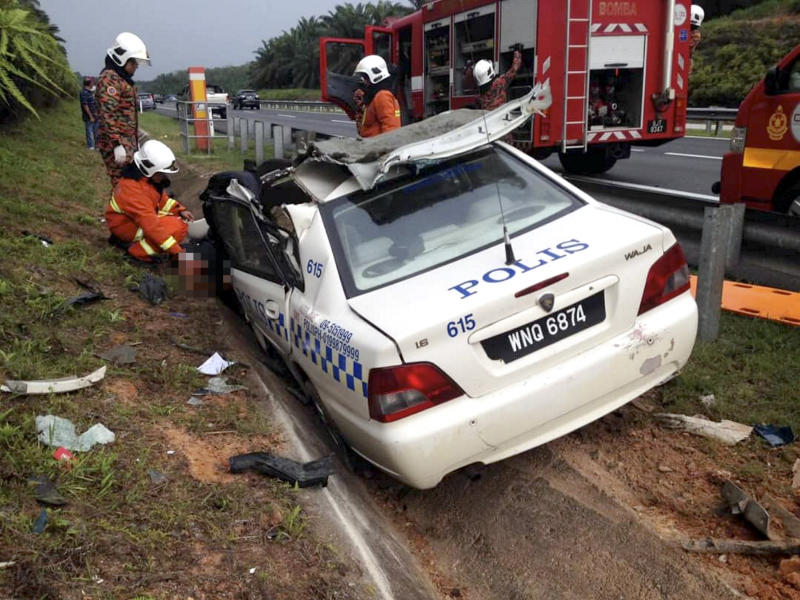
(146, 249)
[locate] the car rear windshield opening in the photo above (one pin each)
(439, 215)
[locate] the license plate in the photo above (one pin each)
(657, 126)
(524, 340)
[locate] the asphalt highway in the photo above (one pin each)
(690, 164)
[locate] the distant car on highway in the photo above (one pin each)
(246, 99)
(147, 101)
(216, 97)
(158, 98)
(171, 98)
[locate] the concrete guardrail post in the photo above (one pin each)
(277, 140)
(259, 141)
(244, 129)
(734, 235)
(717, 226)
(231, 128)
(184, 124)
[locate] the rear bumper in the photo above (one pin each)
(420, 450)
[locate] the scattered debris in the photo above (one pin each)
(796, 475)
(57, 431)
(46, 491)
(7, 564)
(152, 288)
(54, 386)
(708, 401)
(123, 354)
(643, 404)
(775, 435)
(170, 452)
(62, 453)
(189, 348)
(727, 432)
(214, 365)
(307, 474)
(218, 385)
(46, 241)
(179, 315)
(195, 401)
(81, 300)
(41, 522)
(740, 503)
(785, 522)
(742, 547)
(156, 477)
(252, 570)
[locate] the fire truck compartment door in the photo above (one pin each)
(616, 52)
(517, 23)
(338, 59)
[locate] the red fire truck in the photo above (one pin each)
(762, 168)
(618, 71)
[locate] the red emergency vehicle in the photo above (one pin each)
(618, 71)
(762, 168)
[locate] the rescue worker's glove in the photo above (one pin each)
(120, 156)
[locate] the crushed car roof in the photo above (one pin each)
(442, 136)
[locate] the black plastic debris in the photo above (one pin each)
(46, 241)
(303, 475)
(40, 523)
(152, 288)
(122, 354)
(775, 435)
(46, 491)
(81, 300)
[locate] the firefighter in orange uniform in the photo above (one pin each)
(377, 110)
(494, 88)
(140, 214)
(115, 97)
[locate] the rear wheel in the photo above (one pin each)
(592, 162)
(788, 200)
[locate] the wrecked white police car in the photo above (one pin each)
(428, 338)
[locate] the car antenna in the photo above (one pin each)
(506, 238)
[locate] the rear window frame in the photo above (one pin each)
(345, 276)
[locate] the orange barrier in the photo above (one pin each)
(758, 301)
(197, 93)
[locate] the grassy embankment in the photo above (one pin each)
(121, 534)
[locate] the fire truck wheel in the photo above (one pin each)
(593, 162)
(788, 200)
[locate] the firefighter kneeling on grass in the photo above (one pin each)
(141, 216)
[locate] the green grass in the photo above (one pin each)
(167, 130)
(290, 94)
(752, 370)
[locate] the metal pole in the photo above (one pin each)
(184, 123)
(230, 127)
(243, 130)
(711, 271)
(259, 138)
(735, 229)
(277, 138)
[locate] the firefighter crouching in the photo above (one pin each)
(377, 110)
(493, 88)
(140, 215)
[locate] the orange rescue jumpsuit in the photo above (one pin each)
(380, 116)
(141, 214)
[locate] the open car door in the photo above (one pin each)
(338, 58)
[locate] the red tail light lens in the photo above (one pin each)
(668, 277)
(397, 392)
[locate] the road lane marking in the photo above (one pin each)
(340, 121)
(288, 116)
(708, 137)
(692, 155)
(637, 150)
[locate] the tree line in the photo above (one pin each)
(34, 71)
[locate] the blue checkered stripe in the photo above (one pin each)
(279, 326)
(343, 369)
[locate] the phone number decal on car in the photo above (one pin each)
(332, 335)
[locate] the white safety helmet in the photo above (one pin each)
(483, 71)
(155, 157)
(697, 15)
(127, 46)
(373, 67)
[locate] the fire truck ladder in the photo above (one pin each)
(576, 75)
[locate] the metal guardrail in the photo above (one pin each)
(300, 105)
(712, 114)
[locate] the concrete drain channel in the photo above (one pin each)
(390, 569)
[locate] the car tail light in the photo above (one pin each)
(667, 278)
(397, 392)
(738, 139)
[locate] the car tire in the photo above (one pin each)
(787, 201)
(593, 162)
(352, 461)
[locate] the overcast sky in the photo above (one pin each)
(178, 33)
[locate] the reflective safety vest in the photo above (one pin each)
(141, 214)
(382, 115)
